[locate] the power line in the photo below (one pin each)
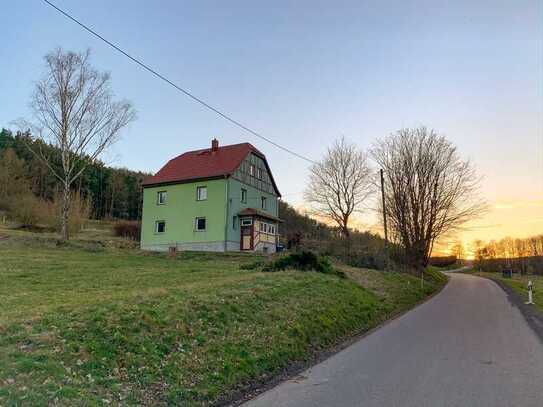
(179, 88)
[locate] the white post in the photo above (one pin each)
(530, 295)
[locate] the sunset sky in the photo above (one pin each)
(304, 73)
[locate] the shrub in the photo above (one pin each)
(26, 209)
(128, 229)
(49, 212)
(303, 261)
(442, 261)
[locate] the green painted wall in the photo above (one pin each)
(180, 211)
(253, 201)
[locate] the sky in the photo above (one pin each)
(304, 73)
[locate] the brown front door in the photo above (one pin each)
(246, 237)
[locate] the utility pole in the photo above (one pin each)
(384, 219)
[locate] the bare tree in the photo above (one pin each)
(339, 184)
(458, 251)
(429, 190)
(74, 110)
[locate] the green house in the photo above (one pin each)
(215, 199)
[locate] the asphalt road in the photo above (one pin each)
(467, 346)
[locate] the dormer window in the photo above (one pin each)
(259, 173)
(252, 170)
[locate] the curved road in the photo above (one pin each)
(467, 346)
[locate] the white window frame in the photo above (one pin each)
(196, 224)
(156, 227)
(259, 173)
(263, 202)
(246, 221)
(252, 170)
(267, 228)
(159, 195)
(198, 195)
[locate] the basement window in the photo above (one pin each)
(160, 226)
(200, 224)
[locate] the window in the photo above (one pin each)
(259, 172)
(200, 224)
(267, 228)
(201, 193)
(246, 222)
(243, 196)
(252, 170)
(234, 219)
(161, 197)
(263, 202)
(160, 226)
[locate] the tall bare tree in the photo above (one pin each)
(429, 190)
(340, 184)
(74, 110)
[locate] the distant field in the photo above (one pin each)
(100, 323)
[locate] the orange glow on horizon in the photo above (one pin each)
(507, 218)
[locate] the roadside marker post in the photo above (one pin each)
(530, 295)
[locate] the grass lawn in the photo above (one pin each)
(95, 324)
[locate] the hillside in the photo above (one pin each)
(114, 192)
(97, 323)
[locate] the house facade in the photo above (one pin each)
(215, 199)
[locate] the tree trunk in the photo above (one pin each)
(65, 213)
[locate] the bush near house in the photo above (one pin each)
(98, 325)
(302, 261)
(128, 229)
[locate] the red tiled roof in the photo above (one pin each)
(205, 164)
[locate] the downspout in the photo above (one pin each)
(226, 213)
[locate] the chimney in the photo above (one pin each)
(214, 144)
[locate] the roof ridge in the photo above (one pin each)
(221, 147)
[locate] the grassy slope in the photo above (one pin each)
(116, 326)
